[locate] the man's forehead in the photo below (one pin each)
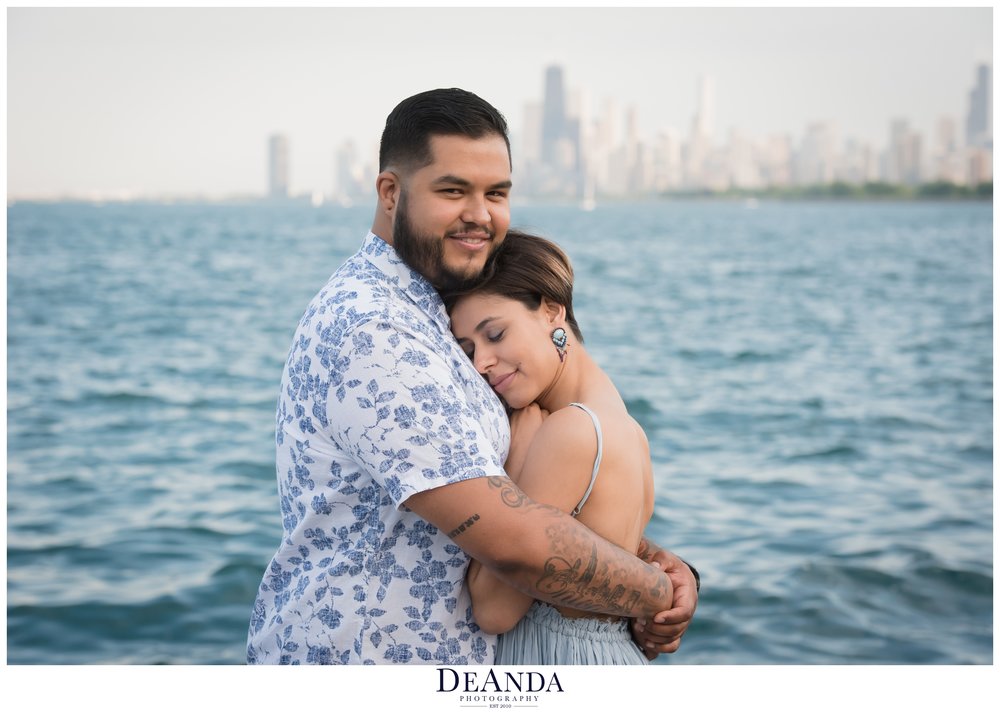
(444, 147)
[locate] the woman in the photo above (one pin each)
(574, 445)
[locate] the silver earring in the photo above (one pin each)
(559, 339)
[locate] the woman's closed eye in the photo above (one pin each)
(495, 336)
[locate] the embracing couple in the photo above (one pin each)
(459, 482)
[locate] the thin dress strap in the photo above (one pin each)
(597, 460)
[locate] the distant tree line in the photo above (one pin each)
(938, 190)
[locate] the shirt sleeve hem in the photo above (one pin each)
(434, 484)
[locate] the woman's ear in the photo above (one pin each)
(387, 187)
(554, 313)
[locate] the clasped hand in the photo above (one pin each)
(663, 633)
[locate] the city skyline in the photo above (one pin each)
(567, 149)
(120, 110)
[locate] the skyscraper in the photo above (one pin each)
(815, 161)
(704, 121)
(277, 166)
(979, 123)
(699, 146)
(947, 163)
(347, 173)
(903, 155)
(553, 114)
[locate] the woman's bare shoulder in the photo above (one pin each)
(568, 428)
(560, 459)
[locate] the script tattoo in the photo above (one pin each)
(587, 585)
(510, 493)
(590, 583)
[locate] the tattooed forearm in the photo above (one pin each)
(463, 526)
(567, 564)
(595, 585)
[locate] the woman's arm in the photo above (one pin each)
(524, 426)
(496, 606)
(554, 468)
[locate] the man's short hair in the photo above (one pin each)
(438, 112)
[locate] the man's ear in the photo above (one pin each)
(387, 187)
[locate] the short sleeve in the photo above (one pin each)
(402, 413)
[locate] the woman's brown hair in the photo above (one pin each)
(526, 268)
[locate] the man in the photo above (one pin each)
(390, 447)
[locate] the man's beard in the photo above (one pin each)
(425, 253)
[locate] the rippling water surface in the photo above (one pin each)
(816, 381)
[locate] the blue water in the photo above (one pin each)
(816, 381)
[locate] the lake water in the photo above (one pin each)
(816, 381)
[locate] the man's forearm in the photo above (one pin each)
(542, 551)
(558, 560)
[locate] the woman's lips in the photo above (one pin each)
(501, 383)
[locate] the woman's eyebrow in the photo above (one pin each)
(482, 325)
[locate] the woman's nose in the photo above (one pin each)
(484, 360)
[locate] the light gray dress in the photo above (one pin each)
(545, 637)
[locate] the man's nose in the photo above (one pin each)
(476, 211)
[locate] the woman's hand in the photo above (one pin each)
(524, 425)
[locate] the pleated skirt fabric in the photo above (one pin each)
(546, 637)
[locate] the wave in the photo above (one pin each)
(246, 469)
(742, 356)
(836, 452)
(640, 407)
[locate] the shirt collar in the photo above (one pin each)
(411, 283)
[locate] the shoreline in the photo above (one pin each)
(749, 200)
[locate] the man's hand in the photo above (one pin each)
(663, 633)
(524, 425)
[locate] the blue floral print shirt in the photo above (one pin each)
(377, 403)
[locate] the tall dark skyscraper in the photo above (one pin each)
(553, 114)
(979, 123)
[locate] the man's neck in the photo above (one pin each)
(382, 228)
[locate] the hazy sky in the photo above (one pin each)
(181, 101)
